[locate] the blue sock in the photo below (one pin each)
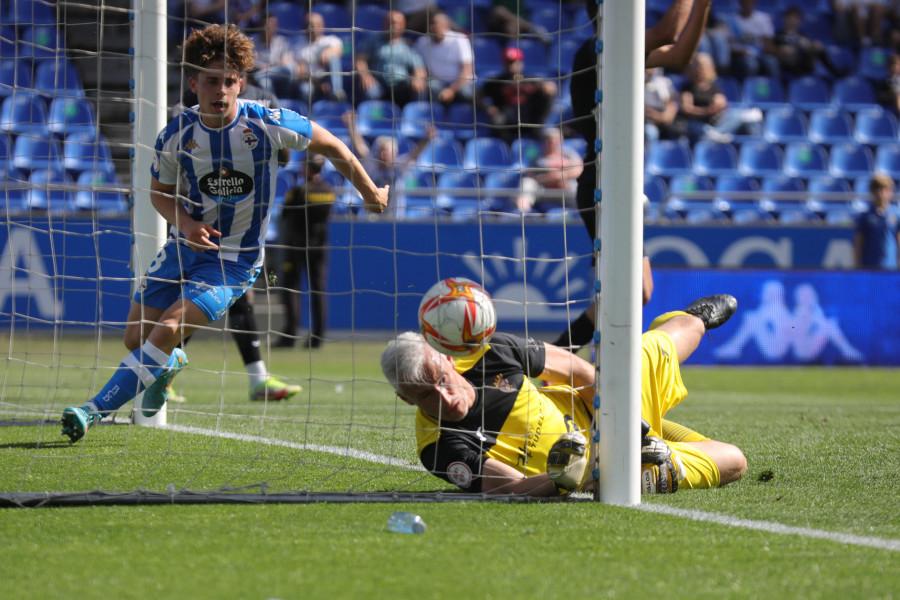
(138, 371)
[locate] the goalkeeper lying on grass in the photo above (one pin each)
(483, 426)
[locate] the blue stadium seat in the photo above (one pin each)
(14, 75)
(41, 42)
(486, 154)
(101, 192)
(36, 153)
(57, 77)
(809, 93)
(328, 108)
(827, 193)
(86, 152)
(784, 125)
(667, 158)
(760, 159)
(370, 17)
(12, 191)
(523, 151)
(683, 190)
(850, 160)
(887, 158)
(441, 153)
(7, 40)
(30, 12)
(488, 56)
(818, 24)
(290, 16)
(873, 63)
(798, 215)
(876, 126)
(24, 113)
(50, 190)
(508, 182)
(71, 114)
(465, 200)
(700, 216)
(377, 117)
(334, 15)
(731, 89)
(853, 93)
(736, 192)
(843, 57)
(763, 92)
(750, 215)
(779, 193)
(5, 158)
(805, 159)
(416, 116)
(470, 16)
(830, 126)
(655, 189)
(464, 121)
(561, 54)
(714, 158)
(839, 215)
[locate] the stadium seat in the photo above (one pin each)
(486, 154)
(14, 75)
(667, 158)
(763, 92)
(562, 53)
(736, 192)
(683, 195)
(30, 12)
(843, 57)
(12, 191)
(101, 192)
(779, 193)
(850, 160)
(887, 158)
(290, 16)
(798, 215)
(839, 215)
(750, 215)
(86, 152)
(830, 126)
(470, 16)
(416, 116)
(377, 117)
(441, 153)
(732, 90)
(50, 190)
(71, 114)
(818, 24)
(804, 159)
(853, 93)
(501, 189)
(328, 108)
(57, 77)
(699, 216)
(828, 193)
(875, 126)
(7, 40)
(458, 193)
(35, 153)
(24, 113)
(5, 157)
(809, 93)
(465, 122)
(784, 125)
(714, 158)
(655, 189)
(760, 159)
(488, 57)
(873, 63)
(334, 15)
(370, 17)
(523, 151)
(41, 42)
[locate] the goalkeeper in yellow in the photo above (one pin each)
(483, 426)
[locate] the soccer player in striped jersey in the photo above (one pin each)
(227, 150)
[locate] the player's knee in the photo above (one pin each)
(732, 464)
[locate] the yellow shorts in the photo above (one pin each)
(661, 390)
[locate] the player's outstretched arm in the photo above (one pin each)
(669, 27)
(500, 478)
(561, 366)
(679, 53)
(323, 142)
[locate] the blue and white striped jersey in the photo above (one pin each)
(230, 172)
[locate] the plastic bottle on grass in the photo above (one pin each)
(404, 522)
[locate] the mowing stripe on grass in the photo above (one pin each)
(841, 538)
(347, 452)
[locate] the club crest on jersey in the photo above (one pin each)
(459, 474)
(226, 184)
(249, 139)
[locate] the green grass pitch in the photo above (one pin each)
(823, 447)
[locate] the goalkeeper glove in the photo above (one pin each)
(566, 461)
(660, 471)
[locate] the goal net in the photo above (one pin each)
(480, 189)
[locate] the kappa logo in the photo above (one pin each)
(191, 145)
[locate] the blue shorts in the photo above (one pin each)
(201, 277)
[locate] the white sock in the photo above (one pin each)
(257, 372)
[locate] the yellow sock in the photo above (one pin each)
(666, 317)
(673, 432)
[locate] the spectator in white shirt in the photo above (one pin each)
(449, 60)
(753, 49)
(318, 59)
(275, 65)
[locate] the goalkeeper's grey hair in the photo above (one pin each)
(403, 361)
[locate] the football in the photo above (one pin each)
(457, 316)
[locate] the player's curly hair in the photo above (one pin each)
(217, 42)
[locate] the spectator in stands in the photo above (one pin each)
(383, 161)
(449, 61)
(276, 68)
(305, 237)
(877, 237)
(797, 53)
(705, 108)
(888, 90)
(859, 22)
(518, 104)
(551, 178)
(661, 118)
(753, 43)
(388, 67)
(318, 59)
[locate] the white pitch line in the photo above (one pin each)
(831, 536)
(694, 515)
(339, 451)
